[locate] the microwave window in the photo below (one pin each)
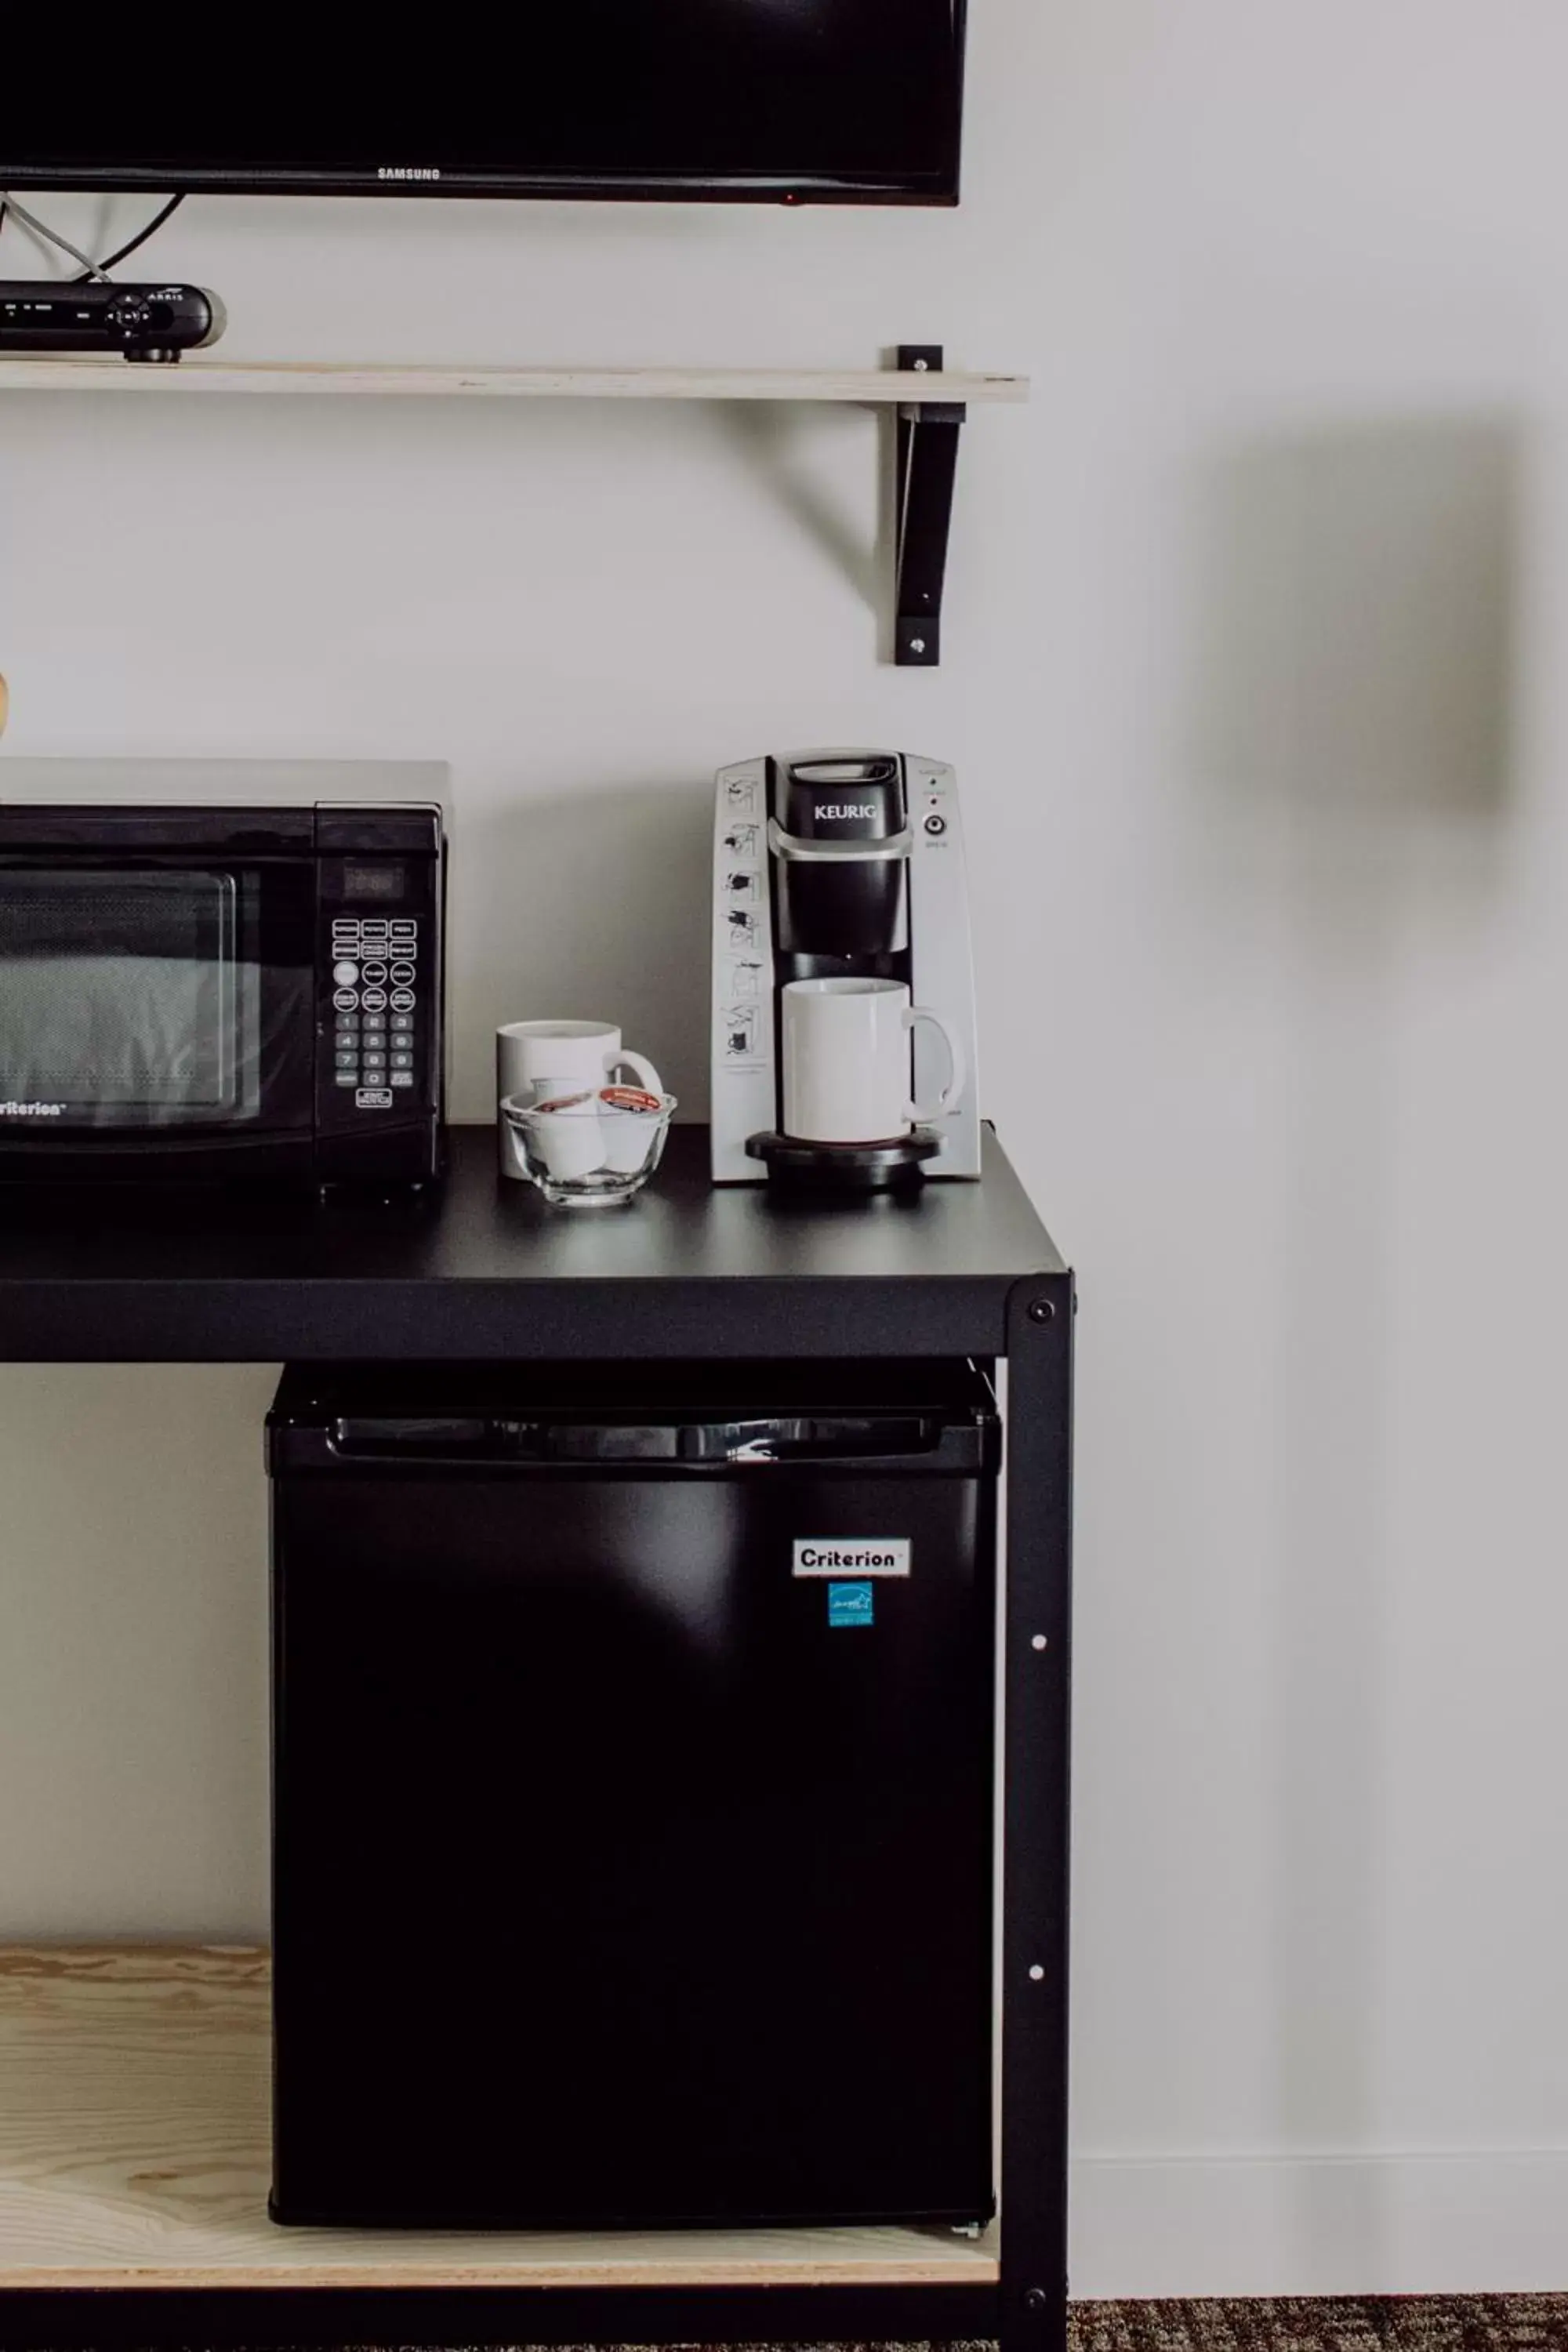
(120, 991)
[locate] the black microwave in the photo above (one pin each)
(222, 992)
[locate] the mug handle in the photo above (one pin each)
(641, 1065)
(947, 1100)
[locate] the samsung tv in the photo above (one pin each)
(793, 101)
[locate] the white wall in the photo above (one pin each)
(1252, 684)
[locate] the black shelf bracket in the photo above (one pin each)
(927, 460)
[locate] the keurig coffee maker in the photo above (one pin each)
(842, 871)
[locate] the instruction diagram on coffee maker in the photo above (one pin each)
(741, 1032)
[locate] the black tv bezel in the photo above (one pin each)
(935, 189)
(126, 179)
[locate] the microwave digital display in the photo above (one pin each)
(383, 883)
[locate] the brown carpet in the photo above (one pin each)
(1481, 2323)
(1501, 2323)
(1490, 2323)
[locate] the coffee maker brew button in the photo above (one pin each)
(936, 824)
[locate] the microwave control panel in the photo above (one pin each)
(377, 997)
(379, 1074)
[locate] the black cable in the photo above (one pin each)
(141, 237)
(52, 237)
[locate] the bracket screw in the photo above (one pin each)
(920, 366)
(1038, 1642)
(1042, 1310)
(917, 644)
(1036, 2299)
(1037, 1974)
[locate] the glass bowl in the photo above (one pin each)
(588, 1151)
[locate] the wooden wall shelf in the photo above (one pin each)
(930, 401)
(870, 387)
(134, 2154)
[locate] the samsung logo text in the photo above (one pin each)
(409, 172)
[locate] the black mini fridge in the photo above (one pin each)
(632, 1794)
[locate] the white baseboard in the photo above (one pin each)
(1330, 2225)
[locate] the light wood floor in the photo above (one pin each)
(133, 2152)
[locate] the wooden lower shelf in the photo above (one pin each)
(134, 2153)
(873, 387)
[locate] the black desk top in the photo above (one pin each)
(486, 1270)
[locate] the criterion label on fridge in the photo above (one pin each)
(853, 1556)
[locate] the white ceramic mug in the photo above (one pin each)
(847, 1062)
(536, 1059)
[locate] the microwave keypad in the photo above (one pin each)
(375, 972)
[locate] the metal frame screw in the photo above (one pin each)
(1042, 1310)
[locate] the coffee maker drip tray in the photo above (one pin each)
(897, 1161)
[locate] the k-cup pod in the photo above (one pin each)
(562, 1138)
(623, 1114)
(571, 1139)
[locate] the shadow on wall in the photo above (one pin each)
(592, 907)
(1356, 701)
(782, 449)
(1360, 614)
(778, 447)
(134, 1664)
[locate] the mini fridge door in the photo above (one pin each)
(633, 1816)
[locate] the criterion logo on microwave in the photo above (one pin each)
(32, 1110)
(852, 1556)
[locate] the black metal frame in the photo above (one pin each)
(1036, 1767)
(927, 463)
(1026, 2310)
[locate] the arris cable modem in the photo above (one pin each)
(150, 323)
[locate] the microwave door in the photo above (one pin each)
(155, 1005)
